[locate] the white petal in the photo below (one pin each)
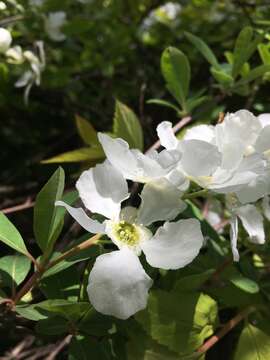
(255, 189)
(201, 132)
(102, 189)
(174, 245)
(93, 226)
(252, 221)
(234, 236)
(133, 164)
(160, 201)
(266, 207)
(178, 179)
(199, 158)
(129, 214)
(241, 126)
(264, 119)
(166, 135)
(263, 141)
(118, 284)
(119, 154)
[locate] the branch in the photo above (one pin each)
(225, 329)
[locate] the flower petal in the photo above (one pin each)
(199, 158)
(263, 143)
(201, 132)
(133, 164)
(264, 119)
(242, 127)
(102, 189)
(252, 221)
(266, 207)
(160, 201)
(93, 226)
(118, 284)
(166, 135)
(234, 236)
(174, 245)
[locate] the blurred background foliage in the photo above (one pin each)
(111, 50)
(102, 66)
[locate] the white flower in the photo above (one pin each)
(118, 284)
(220, 158)
(252, 222)
(5, 40)
(136, 166)
(53, 25)
(37, 65)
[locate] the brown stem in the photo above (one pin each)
(86, 244)
(27, 286)
(38, 273)
(26, 205)
(225, 329)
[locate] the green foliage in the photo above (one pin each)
(48, 219)
(176, 72)
(183, 325)
(11, 236)
(13, 270)
(80, 349)
(254, 344)
(127, 126)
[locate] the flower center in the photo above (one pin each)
(127, 233)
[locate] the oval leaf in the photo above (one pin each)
(176, 71)
(11, 236)
(86, 131)
(78, 155)
(127, 126)
(45, 212)
(13, 270)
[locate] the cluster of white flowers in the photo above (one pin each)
(231, 158)
(16, 55)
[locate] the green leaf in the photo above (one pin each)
(253, 74)
(176, 72)
(31, 312)
(193, 282)
(11, 236)
(194, 102)
(203, 48)
(264, 51)
(127, 126)
(13, 270)
(94, 323)
(164, 103)
(221, 76)
(85, 348)
(244, 283)
(46, 220)
(253, 344)
(86, 254)
(52, 326)
(244, 48)
(63, 285)
(70, 310)
(180, 321)
(79, 155)
(86, 131)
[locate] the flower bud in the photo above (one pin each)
(5, 40)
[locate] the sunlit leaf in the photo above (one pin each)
(86, 131)
(10, 235)
(127, 126)
(78, 155)
(46, 221)
(13, 270)
(176, 71)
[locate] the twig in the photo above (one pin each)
(11, 19)
(25, 205)
(182, 123)
(59, 347)
(32, 281)
(225, 329)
